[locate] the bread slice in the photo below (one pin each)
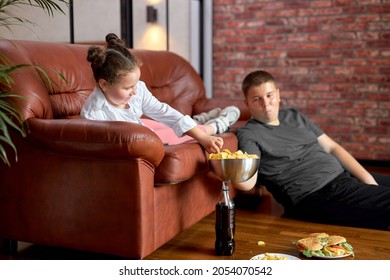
(319, 234)
(310, 243)
(336, 239)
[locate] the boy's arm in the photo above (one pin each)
(346, 159)
(247, 185)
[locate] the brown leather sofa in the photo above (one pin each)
(107, 187)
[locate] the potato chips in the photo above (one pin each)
(226, 154)
(273, 257)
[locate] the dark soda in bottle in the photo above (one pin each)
(225, 223)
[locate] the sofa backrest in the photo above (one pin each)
(171, 79)
(168, 76)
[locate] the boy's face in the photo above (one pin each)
(119, 94)
(263, 103)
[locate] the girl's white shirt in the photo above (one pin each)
(142, 103)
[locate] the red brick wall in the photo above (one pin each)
(331, 59)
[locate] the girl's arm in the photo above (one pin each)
(212, 144)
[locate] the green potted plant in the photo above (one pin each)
(9, 113)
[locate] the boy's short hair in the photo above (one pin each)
(255, 78)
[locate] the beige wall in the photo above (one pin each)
(90, 24)
(93, 19)
(154, 35)
(94, 24)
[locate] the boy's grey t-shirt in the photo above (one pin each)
(292, 163)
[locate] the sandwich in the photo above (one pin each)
(337, 246)
(324, 245)
(319, 234)
(309, 244)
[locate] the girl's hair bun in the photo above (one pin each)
(111, 37)
(96, 55)
(113, 40)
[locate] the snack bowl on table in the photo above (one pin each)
(234, 170)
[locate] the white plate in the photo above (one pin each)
(288, 257)
(334, 257)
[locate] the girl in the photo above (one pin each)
(119, 95)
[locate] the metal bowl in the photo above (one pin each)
(234, 170)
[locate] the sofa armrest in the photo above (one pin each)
(109, 139)
(206, 104)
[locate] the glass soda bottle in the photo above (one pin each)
(225, 223)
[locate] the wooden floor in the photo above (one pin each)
(278, 233)
(258, 218)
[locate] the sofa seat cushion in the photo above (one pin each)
(180, 163)
(184, 161)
